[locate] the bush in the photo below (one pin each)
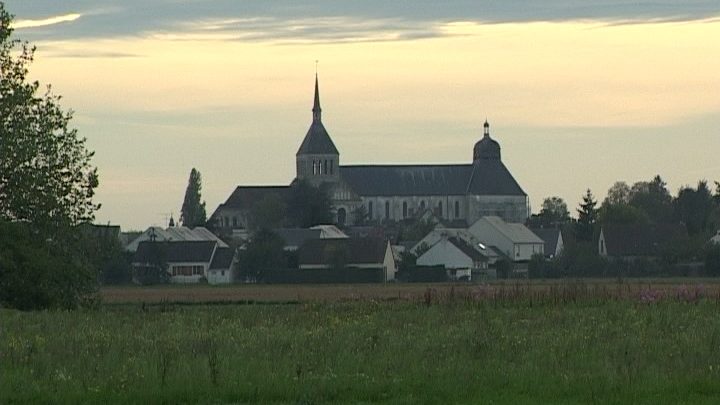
(39, 273)
(712, 260)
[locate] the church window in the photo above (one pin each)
(331, 166)
(370, 210)
(457, 209)
(405, 209)
(325, 169)
(387, 209)
(422, 205)
(342, 216)
(235, 222)
(440, 212)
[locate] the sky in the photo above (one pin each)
(579, 93)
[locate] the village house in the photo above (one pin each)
(553, 239)
(348, 253)
(461, 260)
(185, 262)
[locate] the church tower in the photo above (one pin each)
(486, 148)
(317, 160)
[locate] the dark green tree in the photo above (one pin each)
(360, 215)
(554, 212)
(264, 252)
(587, 217)
(309, 205)
(268, 213)
(193, 210)
(46, 176)
(616, 208)
(653, 199)
(694, 207)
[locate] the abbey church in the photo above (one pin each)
(452, 192)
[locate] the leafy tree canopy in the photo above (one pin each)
(46, 176)
(309, 205)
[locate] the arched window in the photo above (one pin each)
(422, 205)
(387, 209)
(404, 209)
(440, 212)
(325, 169)
(331, 166)
(457, 209)
(341, 216)
(370, 210)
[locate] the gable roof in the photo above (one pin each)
(485, 177)
(641, 240)
(377, 180)
(517, 233)
(468, 250)
(175, 252)
(244, 197)
(356, 251)
(550, 236)
(174, 234)
(297, 236)
(223, 258)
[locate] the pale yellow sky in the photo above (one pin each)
(574, 104)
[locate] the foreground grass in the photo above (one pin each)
(457, 351)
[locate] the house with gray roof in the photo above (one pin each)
(514, 240)
(553, 239)
(463, 192)
(185, 261)
(461, 259)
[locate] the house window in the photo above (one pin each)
(405, 209)
(222, 273)
(235, 222)
(370, 210)
(387, 209)
(457, 209)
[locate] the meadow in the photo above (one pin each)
(515, 343)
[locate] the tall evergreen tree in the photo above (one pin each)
(587, 217)
(193, 211)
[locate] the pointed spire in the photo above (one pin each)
(316, 105)
(486, 127)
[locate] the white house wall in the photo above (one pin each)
(389, 263)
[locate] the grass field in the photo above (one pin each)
(524, 343)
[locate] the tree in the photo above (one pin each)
(653, 198)
(309, 205)
(46, 176)
(47, 184)
(694, 207)
(618, 194)
(263, 252)
(587, 217)
(268, 213)
(193, 211)
(554, 212)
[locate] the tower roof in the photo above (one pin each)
(486, 148)
(317, 140)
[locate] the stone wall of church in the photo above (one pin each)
(509, 208)
(397, 208)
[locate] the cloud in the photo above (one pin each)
(329, 20)
(22, 24)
